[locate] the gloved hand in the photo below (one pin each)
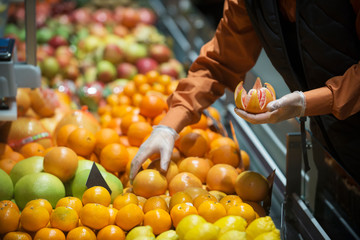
(289, 106)
(162, 140)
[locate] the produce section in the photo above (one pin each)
(107, 69)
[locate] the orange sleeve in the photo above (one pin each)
(222, 62)
(341, 96)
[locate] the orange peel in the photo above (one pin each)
(256, 99)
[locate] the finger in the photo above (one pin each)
(137, 161)
(165, 159)
(273, 105)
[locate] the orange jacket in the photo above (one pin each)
(232, 52)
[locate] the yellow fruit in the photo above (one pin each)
(259, 226)
(233, 234)
(143, 231)
(168, 235)
(231, 223)
(273, 235)
(188, 223)
(203, 231)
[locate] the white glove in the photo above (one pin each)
(289, 106)
(162, 140)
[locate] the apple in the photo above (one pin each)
(112, 53)
(49, 67)
(81, 16)
(120, 30)
(98, 29)
(145, 65)
(90, 43)
(160, 52)
(57, 41)
(130, 17)
(168, 69)
(126, 70)
(106, 71)
(102, 15)
(71, 72)
(147, 16)
(64, 50)
(118, 13)
(135, 51)
(43, 35)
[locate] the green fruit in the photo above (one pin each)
(27, 166)
(38, 185)
(78, 184)
(206, 231)
(233, 234)
(188, 223)
(43, 35)
(7, 188)
(140, 231)
(87, 164)
(231, 223)
(168, 235)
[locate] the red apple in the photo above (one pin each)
(130, 17)
(57, 41)
(113, 53)
(147, 16)
(98, 29)
(160, 52)
(120, 30)
(172, 68)
(102, 15)
(71, 72)
(126, 70)
(81, 16)
(145, 65)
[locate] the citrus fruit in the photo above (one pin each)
(82, 141)
(211, 210)
(243, 210)
(152, 105)
(17, 236)
(9, 219)
(123, 199)
(218, 194)
(256, 99)
(149, 183)
(114, 157)
(273, 235)
(168, 235)
(225, 154)
(179, 197)
(137, 132)
(129, 217)
(81, 233)
(38, 185)
(97, 194)
(222, 177)
(7, 187)
(158, 219)
(203, 231)
(104, 137)
(7, 164)
(63, 134)
(179, 211)
(187, 223)
(202, 198)
(34, 218)
(84, 164)
(251, 186)
(182, 181)
(228, 223)
(140, 231)
(197, 166)
(64, 218)
(111, 232)
(195, 191)
(71, 202)
(155, 202)
(171, 171)
(230, 201)
(40, 202)
(193, 144)
(94, 216)
(32, 149)
(259, 226)
(113, 212)
(233, 234)
(49, 234)
(26, 166)
(61, 162)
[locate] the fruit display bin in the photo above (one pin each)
(300, 205)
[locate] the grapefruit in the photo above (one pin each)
(27, 166)
(38, 185)
(251, 186)
(7, 188)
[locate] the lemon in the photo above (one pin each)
(233, 234)
(188, 223)
(273, 235)
(168, 235)
(144, 238)
(231, 223)
(140, 231)
(203, 231)
(259, 226)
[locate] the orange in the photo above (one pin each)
(114, 157)
(132, 152)
(214, 113)
(71, 202)
(137, 132)
(179, 197)
(136, 99)
(197, 166)
(259, 210)
(61, 162)
(113, 212)
(128, 119)
(144, 88)
(202, 198)
(49, 234)
(97, 194)
(129, 89)
(155, 202)
(195, 191)
(193, 145)
(94, 216)
(104, 109)
(181, 210)
(212, 135)
(17, 236)
(164, 80)
(123, 100)
(9, 219)
(34, 218)
(112, 99)
(124, 199)
(32, 149)
(152, 105)
(211, 210)
(129, 217)
(149, 182)
(230, 201)
(64, 218)
(105, 120)
(7, 164)
(139, 79)
(182, 181)
(171, 172)
(124, 140)
(251, 186)
(222, 177)
(202, 123)
(225, 154)
(245, 159)
(119, 111)
(152, 76)
(157, 87)
(158, 118)
(243, 210)
(104, 137)
(82, 141)
(40, 202)
(187, 129)
(81, 233)
(9, 203)
(222, 141)
(5, 149)
(172, 86)
(142, 200)
(111, 232)
(159, 220)
(63, 134)
(16, 156)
